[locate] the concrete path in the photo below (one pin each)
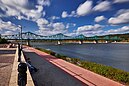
(48, 74)
(6, 62)
(57, 72)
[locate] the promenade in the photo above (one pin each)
(9, 65)
(57, 72)
(52, 71)
(48, 74)
(6, 62)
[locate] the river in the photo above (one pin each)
(115, 55)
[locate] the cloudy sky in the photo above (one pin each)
(70, 17)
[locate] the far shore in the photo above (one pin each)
(121, 42)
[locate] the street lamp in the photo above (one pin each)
(20, 33)
(20, 46)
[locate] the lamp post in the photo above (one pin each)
(20, 46)
(20, 34)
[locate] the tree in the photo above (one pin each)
(3, 41)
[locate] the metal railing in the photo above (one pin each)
(20, 72)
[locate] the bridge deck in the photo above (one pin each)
(82, 75)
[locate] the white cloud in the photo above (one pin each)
(121, 30)
(24, 9)
(87, 7)
(52, 28)
(124, 29)
(49, 32)
(84, 8)
(121, 11)
(42, 21)
(8, 33)
(64, 14)
(121, 18)
(89, 28)
(71, 34)
(120, 1)
(44, 2)
(58, 26)
(93, 30)
(69, 25)
(54, 17)
(13, 3)
(103, 6)
(99, 18)
(8, 26)
(32, 15)
(73, 14)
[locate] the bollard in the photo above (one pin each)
(22, 75)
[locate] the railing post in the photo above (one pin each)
(22, 75)
(19, 53)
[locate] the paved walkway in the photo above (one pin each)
(6, 62)
(49, 76)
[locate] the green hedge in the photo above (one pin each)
(106, 71)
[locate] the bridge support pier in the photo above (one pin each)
(95, 41)
(80, 42)
(59, 42)
(107, 41)
(28, 42)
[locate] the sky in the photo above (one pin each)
(70, 17)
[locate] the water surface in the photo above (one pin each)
(115, 55)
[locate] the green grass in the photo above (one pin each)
(106, 71)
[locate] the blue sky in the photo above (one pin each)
(70, 17)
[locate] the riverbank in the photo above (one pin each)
(121, 42)
(106, 71)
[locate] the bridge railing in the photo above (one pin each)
(32, 36)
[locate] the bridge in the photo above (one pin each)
(59, 37)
